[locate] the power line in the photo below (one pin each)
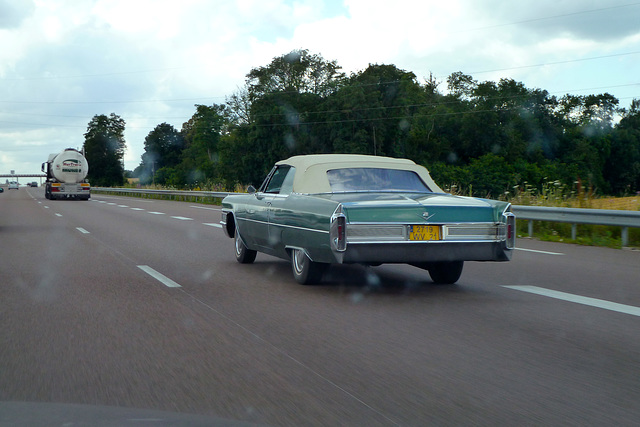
(108, 74)
(130, 101)
(568, 61)
(312, 113)
(547, 18)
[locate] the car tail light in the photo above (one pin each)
(511, 230)
(338, 230)
(342, 233)
(55, 187)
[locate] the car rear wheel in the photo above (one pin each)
(243, 254)
(446, 273)
(305, 271)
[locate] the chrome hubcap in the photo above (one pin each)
(298, 260)
(238, 244)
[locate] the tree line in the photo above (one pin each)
(483, 135)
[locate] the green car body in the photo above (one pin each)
(319, 210)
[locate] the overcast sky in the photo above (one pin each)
(150, 61)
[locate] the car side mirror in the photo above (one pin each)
(251, 189)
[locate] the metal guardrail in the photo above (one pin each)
(574, 216)
(23, 175)
(213, 194)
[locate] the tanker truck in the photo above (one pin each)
(66, 173)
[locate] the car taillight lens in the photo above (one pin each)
(338, 231)
(511, 230)
(342, 233)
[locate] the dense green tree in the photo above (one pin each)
(296, 72)
(484, 136)
(622, 167)
(104, 147)
(461, 85)
(371, 113)
(163, 150)
(275, 115)
(200, 156)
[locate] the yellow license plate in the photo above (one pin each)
(424, 232)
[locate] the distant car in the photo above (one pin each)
(13, 184)
(34, 184)
(1, 190)
(318, 210)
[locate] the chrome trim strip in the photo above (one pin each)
(282, 225)
(429, 242)
(448, 224)
(451, 232)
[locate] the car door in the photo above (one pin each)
(277, 212)
(259, 213)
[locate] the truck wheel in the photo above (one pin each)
(446, 273)
(244, 255)
(305, 271)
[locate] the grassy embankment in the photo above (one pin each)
(555, 195)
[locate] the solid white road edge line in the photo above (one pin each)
(82, 230)
(540, 252)
(593, 302)
(159, 276)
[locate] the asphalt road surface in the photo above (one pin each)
(133, 303)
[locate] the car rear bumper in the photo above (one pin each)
(409, 253)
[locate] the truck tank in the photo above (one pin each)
(66, 173)
(69, 166)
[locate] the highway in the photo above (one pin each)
(138, 303)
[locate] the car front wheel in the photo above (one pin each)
(244, 255)
(446, 273)
(305, 271)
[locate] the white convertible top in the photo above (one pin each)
(311, 170)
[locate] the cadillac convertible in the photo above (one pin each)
(324, 209)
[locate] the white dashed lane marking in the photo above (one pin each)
(82, 230)
(539, 252)
(593, 302)
(159, 277)
(181, 218)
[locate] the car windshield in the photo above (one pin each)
(375, 179)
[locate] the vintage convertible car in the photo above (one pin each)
(322, 209)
